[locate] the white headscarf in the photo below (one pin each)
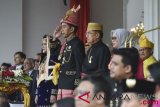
(121, 35)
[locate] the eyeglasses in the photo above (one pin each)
(114, 38)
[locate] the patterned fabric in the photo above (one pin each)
(45, 87)
(62, 93)
(71, 64)
(44, 93)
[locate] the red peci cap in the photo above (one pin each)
(71, 16)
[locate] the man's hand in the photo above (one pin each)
(36, 99)
(57, 32)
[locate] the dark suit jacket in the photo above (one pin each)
(32, 87)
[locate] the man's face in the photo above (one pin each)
(133, 101)
(83, 88)
(145, 53)
(117, 69)
(28, 65)
(91, 36)
(18, 60)
(66, 30)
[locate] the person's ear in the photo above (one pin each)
(72, 29)
(128, 68)
(97, 35)
(22, 60)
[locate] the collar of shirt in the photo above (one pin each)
(70, 38)
(29, 73)
(18, 67)
(97, 43)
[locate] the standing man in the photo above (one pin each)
(29, 70)
(72, 56)
(98, 56)
(123, 65)
(146, 48)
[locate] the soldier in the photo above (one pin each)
(71, 57)
(146, 54)
(98, 56)
(137, 93)
(123, 65)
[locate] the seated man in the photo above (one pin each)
(97, 90)
(29, 70)
(137, 93)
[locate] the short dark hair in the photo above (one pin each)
(101, 84)
(130, 56)
(46, 35)
(6, 64)
(21, 54)
(100, 33)
(67, 102)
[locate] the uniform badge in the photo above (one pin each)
(130, 83)
(69, 47)
(90, 59)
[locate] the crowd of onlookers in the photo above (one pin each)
(70, 75)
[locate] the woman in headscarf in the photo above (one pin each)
(118, 37)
